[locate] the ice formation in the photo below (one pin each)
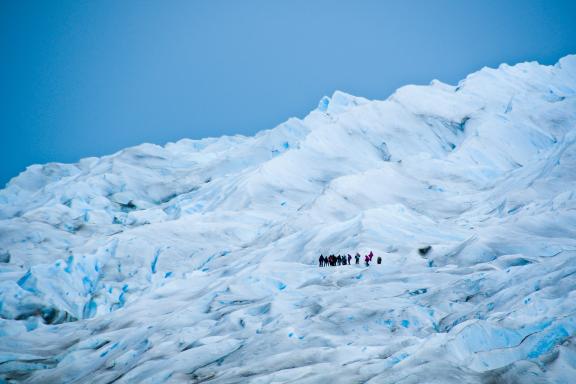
(197, 261)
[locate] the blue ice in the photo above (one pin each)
(323, 104)
(553, 337)
(69, 262)
(155, 261)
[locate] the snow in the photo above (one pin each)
(197, 261)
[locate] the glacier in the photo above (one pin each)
(197, 261)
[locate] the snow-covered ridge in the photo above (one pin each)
(197, 260)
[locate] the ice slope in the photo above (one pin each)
(197, 261)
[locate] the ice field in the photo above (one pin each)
(197, 261)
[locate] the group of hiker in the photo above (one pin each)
(333, 260)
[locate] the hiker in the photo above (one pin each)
(357, 257)
(349, 259)
(321, 261)
(344, 260)
(332, 260)
(339, 260)
(370, 255)
(367, 260)
(379, 260)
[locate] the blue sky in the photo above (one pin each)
(87, 78)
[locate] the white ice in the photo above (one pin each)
(197, 261)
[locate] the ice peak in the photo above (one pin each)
(340, 102)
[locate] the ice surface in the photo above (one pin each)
(197, 261)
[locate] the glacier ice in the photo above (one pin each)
(197, 261)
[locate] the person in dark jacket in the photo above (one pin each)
(367, 260)
(339, 260)
(349, 259)
(321, 261)
(357, 257)
(344, 260)
(379, 260)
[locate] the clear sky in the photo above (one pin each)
(87, 78)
